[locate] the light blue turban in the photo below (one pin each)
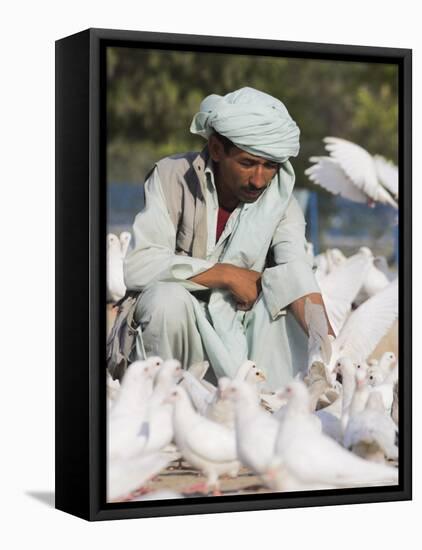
(254, 121)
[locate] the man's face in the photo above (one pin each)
(240, 176)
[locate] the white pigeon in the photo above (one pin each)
(206, 445)
(386, 365)
(361, 393)
(351, 172)
(124, 238)
(317, 382)
(334, 418)
(327, 262)
(365, 326)
(116, 288)
(203, 398)
(375, 280)
(382, 385)
(309, 458)
(126, 475)
(159, 414)
(127, 427)
(340, 288)
(371, 433)
(256, 429)
(222, 409)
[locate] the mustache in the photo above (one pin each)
(255, 189)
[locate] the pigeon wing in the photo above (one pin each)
(388, 174)
(340, 287)
(359, 166)
(328, 173)
(368, 324)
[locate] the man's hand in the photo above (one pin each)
(244, 284)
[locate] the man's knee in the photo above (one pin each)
(168, 303)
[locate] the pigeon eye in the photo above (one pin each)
(358, 366)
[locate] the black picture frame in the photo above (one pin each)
(81, 261)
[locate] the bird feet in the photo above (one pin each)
(136, 493)
(201, 487)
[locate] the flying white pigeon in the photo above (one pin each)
(309, 458)
(350, 171)
(365, 326)
(340, 288)
(116, 288)
(208, 446)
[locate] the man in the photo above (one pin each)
(220, 249)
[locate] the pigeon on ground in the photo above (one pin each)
(127, 426)
(256, 429)
(222, 409)
(208, 446)
(371, 433)
(127, 475)
(309, 458)
(159, 414)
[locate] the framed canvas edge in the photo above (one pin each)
(98, 509)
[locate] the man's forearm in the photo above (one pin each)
(298, 309)
(215, 277)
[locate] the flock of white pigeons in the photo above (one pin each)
(334, 426)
